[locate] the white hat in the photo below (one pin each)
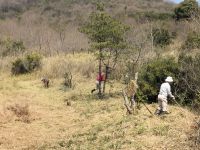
(169, 79)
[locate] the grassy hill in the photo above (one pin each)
(32, 117)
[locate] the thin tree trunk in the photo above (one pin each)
(106, 76)
(126, 102)
(100, 66)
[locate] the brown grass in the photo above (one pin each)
(87, 123)
(78, 64)
(21, 112)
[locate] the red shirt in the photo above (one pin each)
(101, 77)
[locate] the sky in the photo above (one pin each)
(178, 1)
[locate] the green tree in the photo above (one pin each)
(107, 36)
(161, 37)
(186, 9)
(153, 75)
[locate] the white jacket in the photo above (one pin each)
(165, 90)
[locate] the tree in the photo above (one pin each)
(186, 9)
(161, 37)
(107, 36)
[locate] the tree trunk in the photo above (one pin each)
(100, 66)
(106, 76)
(126, 102)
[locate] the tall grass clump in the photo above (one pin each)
(77, 64)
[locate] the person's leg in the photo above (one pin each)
(133, 103)
(97, 85)
(164, 105)
(160, 108)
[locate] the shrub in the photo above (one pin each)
(192, 41)
(186, 9)
(153, 75)
(32, 62)
(26, 65)
(68, 79)
(18, 67)
(161, 37)
(188, 84)
(186, 74)
(11, 47)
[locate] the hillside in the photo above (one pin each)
(60, 42)
(32, 117)
(50, 25)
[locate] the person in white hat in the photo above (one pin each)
(165, 91)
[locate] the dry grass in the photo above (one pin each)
(74, 119)
(87, 123)
(21, 112)
(80, 63)
(56, 66)
(195, 134)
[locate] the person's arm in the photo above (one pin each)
(169, 93)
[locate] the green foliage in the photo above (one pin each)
(186, 9)
(192, 41)
(185, 72)
(100, 6)
(108, 37)
(161, 37)
(151, 16)
(18, 67)
(11, 47)
(32, 62)
(105, 31)
(26, 65)
(153, 75)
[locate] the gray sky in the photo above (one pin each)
(178, 1)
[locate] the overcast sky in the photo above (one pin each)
(178, 1)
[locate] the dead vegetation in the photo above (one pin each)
(21, 112)
(195, 134)
(16, 112)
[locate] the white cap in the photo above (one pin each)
(169, 79)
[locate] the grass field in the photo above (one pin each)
(32, 117)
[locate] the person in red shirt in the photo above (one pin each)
(99, 78)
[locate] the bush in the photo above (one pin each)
(153, 75)
(192, 41)
(18, 67)
(11, 47)
(26, 65)
(161, 37)
(186, 74)
(188, 84)
(186, 9)
(32, 62)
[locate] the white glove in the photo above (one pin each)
(173, 97)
